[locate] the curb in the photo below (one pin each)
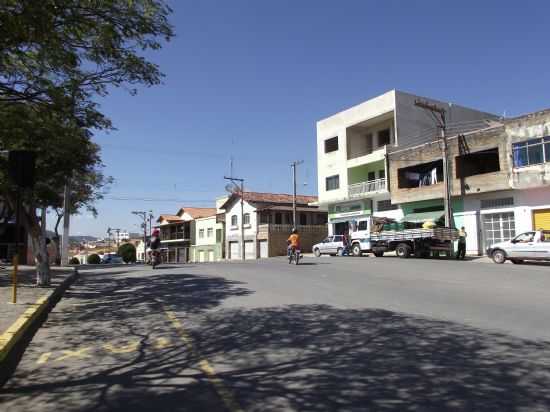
(16, 338)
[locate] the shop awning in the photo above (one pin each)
(423, 216)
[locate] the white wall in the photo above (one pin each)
(205, 224)
(235, 231)
(335, 163)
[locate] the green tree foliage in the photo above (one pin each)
(128, 252)
(94, 259)
(56, 58)
(74, 261)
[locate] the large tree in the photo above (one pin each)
(56, 57)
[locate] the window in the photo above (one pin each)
(201, 233)
(218, 235)
(264, 217)
(234, 220)
(363, 224)
(210, 232)
(303, 219)
(545, 236)
(278, 219)
(333, 182)
(531, 152)
(485, 161)
(384, 205)
(424, 174)
(495, 203)
(383, 137)
(371, 176)
(246, 219)
(381, 174)
(331, 145)
(498, 227)
(525, 237)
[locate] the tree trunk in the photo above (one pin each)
(38, 238)
(42, 257)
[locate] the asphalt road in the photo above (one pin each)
(379, 334)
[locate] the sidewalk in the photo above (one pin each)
(27, 293)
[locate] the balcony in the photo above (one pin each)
(363, 189)
(174, 236)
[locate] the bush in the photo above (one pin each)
(94, 259)
(74, 261)
(127, 252)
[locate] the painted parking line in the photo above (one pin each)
(114, 347)
(223, 392)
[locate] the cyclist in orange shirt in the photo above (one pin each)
(293, 241)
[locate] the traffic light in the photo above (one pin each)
(21, 167)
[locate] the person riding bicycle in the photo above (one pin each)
(293, 241)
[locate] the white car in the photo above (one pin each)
(332, 245)
(533, 245)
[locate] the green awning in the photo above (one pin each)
(424, 216)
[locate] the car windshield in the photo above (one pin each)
(525, 237)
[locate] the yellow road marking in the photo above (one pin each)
(44, 358)
(222, 391)
(131, 347)
(75, 354)
(161, 343)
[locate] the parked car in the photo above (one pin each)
(332, 245)
(107, 259)
(534, 245)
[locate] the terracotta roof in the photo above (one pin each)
(169, 218)
(198, 212)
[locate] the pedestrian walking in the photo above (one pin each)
(461, 253)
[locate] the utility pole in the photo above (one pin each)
(293, 167)
(66, 223)
(108, 239)
(438, 114)
(143, 215)
(233, 180)
(150, 223)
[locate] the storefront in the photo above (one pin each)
(340, 215)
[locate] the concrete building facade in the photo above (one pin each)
(268, 223)
(353, 148)
(500, 179)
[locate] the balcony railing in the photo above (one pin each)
(270, 227)
(174, 236)
(364, 188)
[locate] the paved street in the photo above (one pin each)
(332, 334)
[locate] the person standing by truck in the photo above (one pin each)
(461, 253)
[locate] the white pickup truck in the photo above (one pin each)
(366, 237)
(533, 245)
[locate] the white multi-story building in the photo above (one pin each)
(352, 149)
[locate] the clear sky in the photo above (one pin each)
(249, 79)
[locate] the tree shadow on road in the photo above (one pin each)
(297, 357)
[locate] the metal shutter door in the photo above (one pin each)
(541, 219)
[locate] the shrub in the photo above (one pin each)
(74, 261)
(127, 252)
(94, 259)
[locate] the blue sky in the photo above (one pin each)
(249, 79)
